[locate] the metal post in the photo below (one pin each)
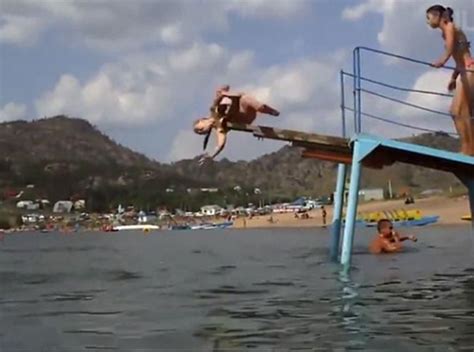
(470, 188)
(359, 86)
(340, 187)
(343, 104)
(469, 183)
(337, 215)
(354, 88)
(352, 205)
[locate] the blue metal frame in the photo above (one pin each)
(364, 145)
(340, 187)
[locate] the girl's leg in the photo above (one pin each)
(265, 109)
(461, 114)
(470, 76)
(250, 101)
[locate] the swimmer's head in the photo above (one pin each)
(203, 125)
(385, 227)
(437, 14)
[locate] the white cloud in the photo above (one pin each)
(117, 25)
(357, 12)
(12, 111)
(404, 28)
(17, 29)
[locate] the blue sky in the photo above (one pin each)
(143, 70)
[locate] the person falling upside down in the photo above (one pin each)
(462, 80)
(388, 240)
(229, 107)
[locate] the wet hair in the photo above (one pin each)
(381, 222)
(206, 134)
(444, 12)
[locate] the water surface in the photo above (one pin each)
(253, 290)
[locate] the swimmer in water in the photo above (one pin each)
(462, 81)
(229, 107)
(388, 240)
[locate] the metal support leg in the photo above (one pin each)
(337, 215)
(352, 205)
(469, 183)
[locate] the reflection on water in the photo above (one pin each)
(215, 291)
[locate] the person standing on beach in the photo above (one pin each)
(324, 215)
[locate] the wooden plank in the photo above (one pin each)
(289, 135)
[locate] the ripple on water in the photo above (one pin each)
(230, 290)
(64, 297)
(223, 269)
(13, 277)
(89, 332)
(70, 313)
(122, 275)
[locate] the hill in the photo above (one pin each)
(65, 157)
(284, 173)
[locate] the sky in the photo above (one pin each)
(143, 70)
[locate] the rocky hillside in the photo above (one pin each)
(64, 157)
(284, 172)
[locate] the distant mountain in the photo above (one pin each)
(65, 157)
(285, 173)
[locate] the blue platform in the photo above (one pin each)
(376, 152)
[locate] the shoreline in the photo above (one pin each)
(450, 211)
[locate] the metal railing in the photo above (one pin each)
(358, 90)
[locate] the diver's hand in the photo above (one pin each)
(452, 85)
(204, 159)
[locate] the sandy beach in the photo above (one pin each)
(450, 211)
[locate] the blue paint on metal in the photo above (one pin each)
(469, 183)
(417, 149)
(343, 105)
(337, 215)
(354, 88)
(366, 147)
(352, 204)
(359, 87)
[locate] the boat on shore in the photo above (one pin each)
(204, 226)
(425, 220)
(399, 218)
(142, 227)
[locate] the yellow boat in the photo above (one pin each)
(394, 215)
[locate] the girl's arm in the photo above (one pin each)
(221, 136)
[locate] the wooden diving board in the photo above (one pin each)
(383, 152)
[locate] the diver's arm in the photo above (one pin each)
(221, 135)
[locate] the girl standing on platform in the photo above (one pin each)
(462, 80)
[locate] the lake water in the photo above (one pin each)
(253, 290)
